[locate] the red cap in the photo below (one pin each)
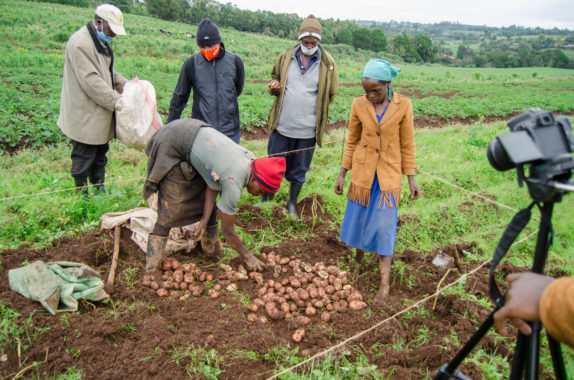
(268, 172)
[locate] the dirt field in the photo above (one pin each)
(139, 335)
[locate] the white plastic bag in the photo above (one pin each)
(138, 119)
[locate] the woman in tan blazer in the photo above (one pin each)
(380, 150)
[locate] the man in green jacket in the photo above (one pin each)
(305, 82)
(90, 94)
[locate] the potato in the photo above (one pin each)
(154, 285)
(175, 264)
(298, 335)
(273, 312)
(146, 282)
(202, 276)
(253, 307)
(262, 291)
(357, 305)
(285, 282)
(146, 277)
(231, 288)
(213, 293)
(197, 292)
(318, 304)
(188, 278)
(167, 285)
(183, 285)
(225, 267)
(284, 260)
(355, 296)
(329, 307)
(259, 302)
(166, 276)
(166, 264)
(303, 295)
(292, 307)
(162, 292)
(263, 320)
(209, 277)
(178, 276)
(295, 283)
(188, 267)
(174, 293)
(330, 289)
(303, 320)
(252, 318)
(312, 293)
(325, 316)
(310, 311)
(182, 298)
(217, 287)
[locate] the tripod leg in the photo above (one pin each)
(557, 360)
(533, 352)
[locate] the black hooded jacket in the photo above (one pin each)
(216, 85)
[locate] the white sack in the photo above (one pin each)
(138, 119)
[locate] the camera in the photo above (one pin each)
(541, 139)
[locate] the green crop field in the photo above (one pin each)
(465, 199)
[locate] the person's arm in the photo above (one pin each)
(557, 310)
(274, 86)
(119, 81)
(228, 230)
(240, 81)
(522, 302)
(86, 72)
(200, 227)
(414, 187)
(340, 182)
(182, 91)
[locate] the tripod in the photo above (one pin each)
(526, 354)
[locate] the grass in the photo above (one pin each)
(465, 199)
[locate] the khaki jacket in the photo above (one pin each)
(88, 99)
(387, 149)
(557, 310)
(328, 87)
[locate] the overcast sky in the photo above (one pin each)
(543, 13)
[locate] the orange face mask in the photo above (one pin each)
(209, 54)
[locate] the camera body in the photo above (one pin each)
(541, 139)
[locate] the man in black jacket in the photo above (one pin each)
(216, 77)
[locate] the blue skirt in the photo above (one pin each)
(373, 228)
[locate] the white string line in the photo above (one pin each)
(140, 178)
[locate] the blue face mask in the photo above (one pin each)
(102, 36)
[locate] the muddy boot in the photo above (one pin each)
(81, 184)
(155, 252)
(294, 191)
(266, 197)
(98, 178)
(210, 243)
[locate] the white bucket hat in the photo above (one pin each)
(113, 16)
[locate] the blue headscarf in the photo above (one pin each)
(381, 70)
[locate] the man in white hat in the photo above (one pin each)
(90, 94)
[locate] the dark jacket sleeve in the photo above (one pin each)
(182, 90)
(240, 81)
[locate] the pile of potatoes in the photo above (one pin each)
(301, 291)
(182, 281)
(297, 291)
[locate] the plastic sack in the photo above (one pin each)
(138, 118)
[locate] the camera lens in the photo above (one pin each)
(498, 157)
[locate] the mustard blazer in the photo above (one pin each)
(387, 149)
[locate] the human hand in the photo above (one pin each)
(339, 184)
(522, 301)
(253, 263)
(196, 230)
(415, 189)
(275, 87)
(119, 104)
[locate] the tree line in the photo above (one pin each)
(477, 46)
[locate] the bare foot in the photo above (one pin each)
(253, 263)
(381, 298)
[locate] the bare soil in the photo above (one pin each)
(137, 334)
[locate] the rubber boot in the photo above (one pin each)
(81, 184)
(294, 191)
(210, 241)
(155, 252)
(266, 197)
(98, 178)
